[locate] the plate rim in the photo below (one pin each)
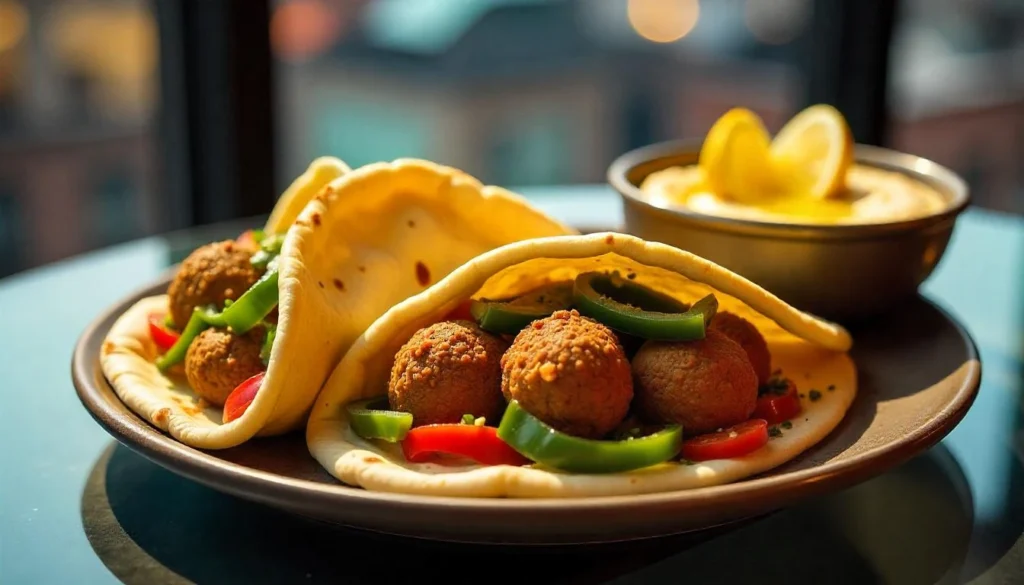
(205, 467)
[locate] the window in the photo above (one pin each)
(536, 150)
(114, 209)
(523, 92)
(78, 84)
(956, 95)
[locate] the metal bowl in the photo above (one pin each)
(839, 272)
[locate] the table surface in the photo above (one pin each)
(76, 507)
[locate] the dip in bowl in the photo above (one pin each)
(872, 195)
(856, 254)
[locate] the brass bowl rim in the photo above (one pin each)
(946, 181)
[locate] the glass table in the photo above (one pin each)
(76, 507)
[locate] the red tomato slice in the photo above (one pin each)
(460, 313)
(777, 408)
(479, 443)
(247, 240)
(162, 336)
(241, 397)
(735, 441)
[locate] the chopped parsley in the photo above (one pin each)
(776, 385)
(773, 431)
(831, 387)
(814, 395)
(787, 425)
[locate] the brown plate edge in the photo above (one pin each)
(769, 493)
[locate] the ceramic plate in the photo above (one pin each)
(918, 375)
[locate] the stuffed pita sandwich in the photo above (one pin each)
(249, 329)
(575, 366)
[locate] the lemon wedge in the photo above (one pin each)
(812, 153)
(735, 158)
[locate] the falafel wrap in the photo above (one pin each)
(249, 328)
(576, 366)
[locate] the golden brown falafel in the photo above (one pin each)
(570, 372)
(703, 385)
(447, 370)
(209, 275)
(750, 339)
(217, 361)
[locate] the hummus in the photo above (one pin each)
(872, 195)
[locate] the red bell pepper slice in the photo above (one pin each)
(479, 443)
(241, 397)
(735, 441)
(460, 312)
(161, 335)
(778, 406)
(248, 240)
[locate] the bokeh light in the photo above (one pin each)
(663, 21)
(13, 24)
(302, 29)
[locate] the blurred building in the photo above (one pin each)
(77, 88)
(517, 92)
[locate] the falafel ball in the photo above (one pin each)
(570, 372)
(447, 370)
(703, 385)
(209, 275)
(750, 339)
(217, 361)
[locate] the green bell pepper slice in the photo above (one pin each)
(632, 308)
(268, 343)
(250, 308)
(371, 419)
(539, 442)
(241, 316)
(513, 315)
(270, 248)
(197, 323)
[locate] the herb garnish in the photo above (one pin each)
(776, 385)
(773, 431)
(831, 387)
(787, 425)
(814, 395)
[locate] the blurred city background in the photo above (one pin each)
(571, 85)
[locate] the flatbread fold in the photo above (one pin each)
(358, 241)
(807, 349)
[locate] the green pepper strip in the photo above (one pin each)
(499, 317)
(683, 326)
(270, 248)
(241, 316)
(198, 322)
(370, 419)
(511, 316)
(268, 343)
(250, 308)
(539, 442)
